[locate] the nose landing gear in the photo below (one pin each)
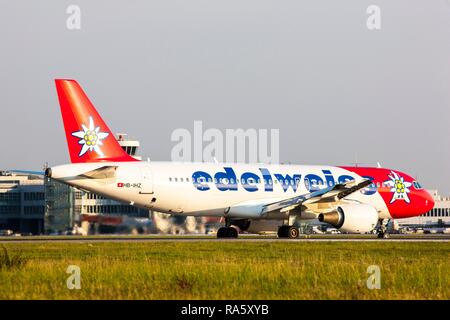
(382, 231)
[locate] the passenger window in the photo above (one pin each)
(170, 179)
(176, 179)
(181, 179)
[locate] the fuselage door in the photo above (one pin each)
(147, 181)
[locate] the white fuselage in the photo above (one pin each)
(208, 189)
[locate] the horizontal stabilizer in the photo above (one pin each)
(106, 172)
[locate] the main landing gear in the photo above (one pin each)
(383, 235)
(286, 231)
(228, 231)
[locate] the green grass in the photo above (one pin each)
(10, 262)
(227, 270)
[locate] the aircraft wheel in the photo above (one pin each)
(290, 232)
(383, 235)
(293, 232)
(222, 232)
(282, 232)
(227, 232)
(232, 232)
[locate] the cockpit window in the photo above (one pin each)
(417, 185)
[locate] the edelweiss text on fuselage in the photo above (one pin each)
(251, 182)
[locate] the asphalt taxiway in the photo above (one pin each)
(242, 238)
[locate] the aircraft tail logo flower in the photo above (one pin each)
(90, 138)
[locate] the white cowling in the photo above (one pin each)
(354, 218)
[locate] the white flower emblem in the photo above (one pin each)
(91, 138)
(399, 187)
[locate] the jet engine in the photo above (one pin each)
(354, 218)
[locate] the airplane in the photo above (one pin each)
(247, 196)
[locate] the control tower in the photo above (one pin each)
(128, 144)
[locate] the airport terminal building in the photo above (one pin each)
(30, 204)
(439, 216)
(22, 206)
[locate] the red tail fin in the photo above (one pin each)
(88, 137)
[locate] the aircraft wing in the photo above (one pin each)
(334, 193)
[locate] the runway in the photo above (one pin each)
(242, 238)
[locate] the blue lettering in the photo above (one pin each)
(226, 180)
(200, 178)
(268, 184)
(370, 189)
(344, 178)
(313, 182)
(289, 181)
(329, 178)
(249, 180)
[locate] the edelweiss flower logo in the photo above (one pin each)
(399, 187)
(91, 138)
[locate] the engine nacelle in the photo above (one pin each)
(242, 224)
(355, 218)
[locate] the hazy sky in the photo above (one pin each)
(309, 68)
